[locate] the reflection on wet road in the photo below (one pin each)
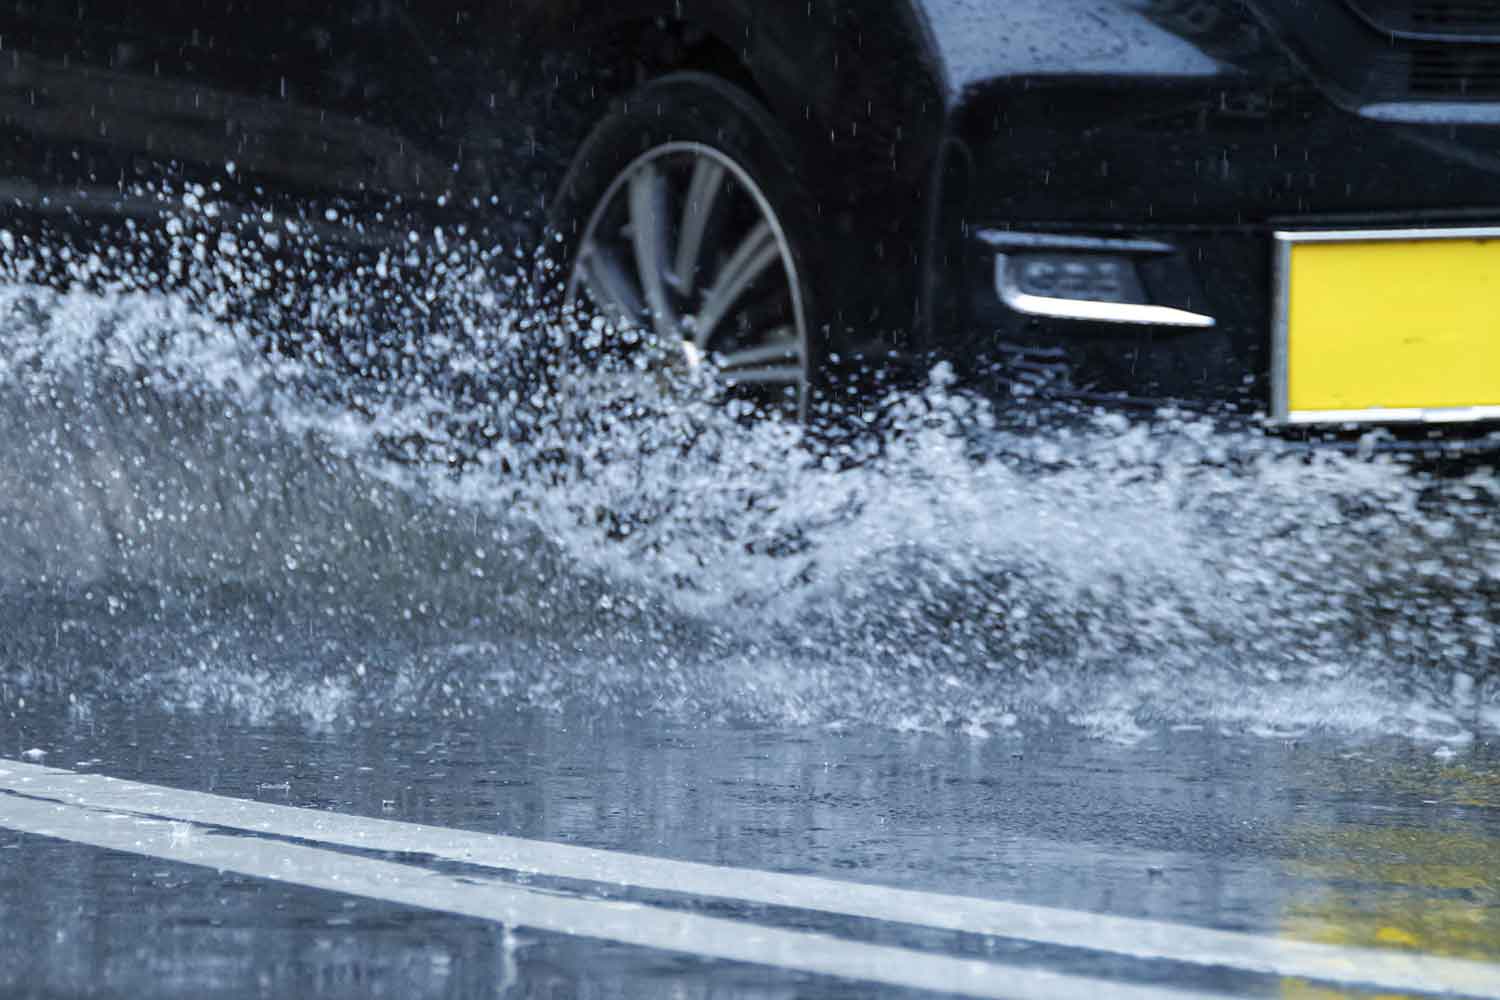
(563, 856)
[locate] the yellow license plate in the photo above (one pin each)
(1384, 326)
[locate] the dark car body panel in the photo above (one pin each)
(1257, 130)
(1203, 124)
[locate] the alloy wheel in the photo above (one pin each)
(685, 245)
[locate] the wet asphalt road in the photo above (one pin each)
(1386, 844)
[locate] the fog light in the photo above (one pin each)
(1090, 278)
(1094, 287)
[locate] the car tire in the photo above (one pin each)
(685, 213)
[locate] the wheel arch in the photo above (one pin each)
(859, 86)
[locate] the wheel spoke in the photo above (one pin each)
(648, 231)
(684, 243)
(702, 196)
(757, 252)
(608, 282)
(781, 345)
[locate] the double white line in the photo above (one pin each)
(184, 826)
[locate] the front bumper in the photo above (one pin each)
(1198, 210)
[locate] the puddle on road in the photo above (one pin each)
(191, 522)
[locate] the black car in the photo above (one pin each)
(1285, 208)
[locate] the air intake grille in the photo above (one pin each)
(1461, 20)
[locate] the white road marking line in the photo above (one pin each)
(1128, 936)
(518, 906)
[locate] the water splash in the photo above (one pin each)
(201, 518)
